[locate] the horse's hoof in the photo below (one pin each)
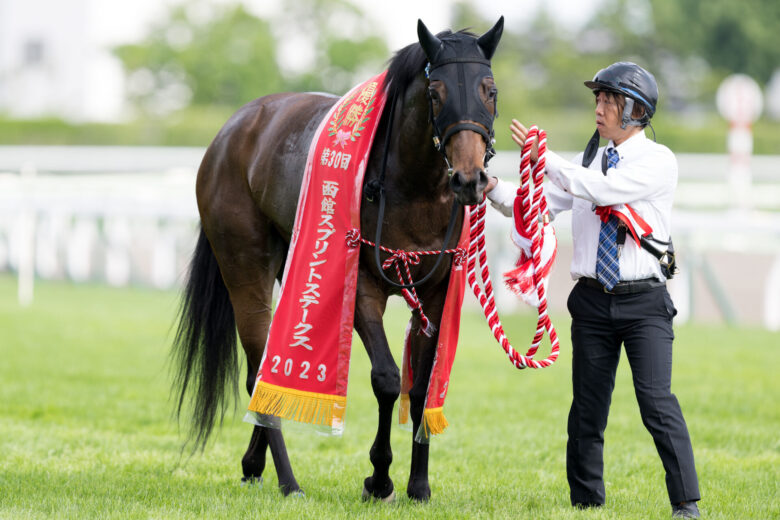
(251, 481)
(291, 490)
(420, 500)
(419, 493)
(367, 496)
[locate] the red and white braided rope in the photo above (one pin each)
(398, 258)
(533, 205)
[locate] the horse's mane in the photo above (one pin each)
(407, 63)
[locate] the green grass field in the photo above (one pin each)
(86, 432)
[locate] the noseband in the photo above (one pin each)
(463, 104)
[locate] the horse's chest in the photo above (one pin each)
(411, 240)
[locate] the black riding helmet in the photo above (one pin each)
(633, 82)
(636, 85)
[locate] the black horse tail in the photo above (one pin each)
(204, 355)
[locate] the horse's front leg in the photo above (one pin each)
(385, 381)
(422, 354)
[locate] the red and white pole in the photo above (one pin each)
(740, 101)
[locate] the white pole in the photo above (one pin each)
(740, 146)
(772, 297)
(26, 273)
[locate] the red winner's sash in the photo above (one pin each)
(304, 372)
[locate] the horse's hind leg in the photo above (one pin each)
(251, 256)
(386, 383)
(253, 461)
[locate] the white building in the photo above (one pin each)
(52, 65)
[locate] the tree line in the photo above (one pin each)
(206, 55)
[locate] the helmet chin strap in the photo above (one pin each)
(591, 149)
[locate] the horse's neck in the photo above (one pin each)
(417, 168)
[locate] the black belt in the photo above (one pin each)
(627, 287)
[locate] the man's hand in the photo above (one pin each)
(519, 134)
(492, 181)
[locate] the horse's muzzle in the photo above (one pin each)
(469, 187)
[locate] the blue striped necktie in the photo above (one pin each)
(607, 263)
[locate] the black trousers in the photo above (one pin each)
(642, 322)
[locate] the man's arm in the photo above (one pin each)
(652, 174)
(647, 177)
(502, 197)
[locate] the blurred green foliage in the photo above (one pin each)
(223, 55)
(217, 61)
(205, 59)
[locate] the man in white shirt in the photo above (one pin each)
(620, 296)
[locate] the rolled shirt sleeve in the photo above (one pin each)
(502, 198)
(647, 177)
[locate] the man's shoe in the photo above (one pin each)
(685, 510)
(587, 505)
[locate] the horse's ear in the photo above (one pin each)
(489, 41)
(430, 43)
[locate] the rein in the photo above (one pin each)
(447, 236)
(399, 256)
(439, 143)
(534, 206)
(380, 187)
(534, 209)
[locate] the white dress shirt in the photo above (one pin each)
(645, 177)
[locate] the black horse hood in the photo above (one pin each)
(461, 61)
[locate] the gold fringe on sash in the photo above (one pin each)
(403, 409)
(297, 405)
(434, 421)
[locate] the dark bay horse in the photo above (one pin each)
(247, 192)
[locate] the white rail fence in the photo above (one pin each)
(127, 215)
(115, 214)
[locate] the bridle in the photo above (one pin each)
(453, 117)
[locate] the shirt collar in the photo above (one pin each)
(630, 145)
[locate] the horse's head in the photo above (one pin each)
(462, 97)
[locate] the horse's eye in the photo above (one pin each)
(492, 93)
(434, 95)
